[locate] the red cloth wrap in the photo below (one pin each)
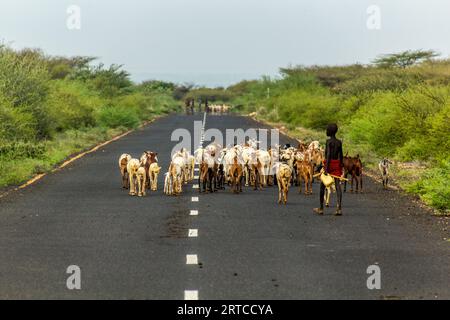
(335, 167)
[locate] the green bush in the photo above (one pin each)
(19, 150)
(378, 123)
(139, 103)
(434, 186)
(24, 83)
(118, 116)
(67, 108)
(15, 124)
(437, 140)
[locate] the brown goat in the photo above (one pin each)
(284, 174)
(353, 166)
(123, 162)
(256, 178)
(147, 158)
(305, 173)
(236, 174)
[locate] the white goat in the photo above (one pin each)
(264, 158)
(132, 170)
(384, 170)
(153, 172)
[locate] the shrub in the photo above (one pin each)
(434, 186)
(15, 124)
(378, 123)
(67, 108)
(117, 116)
(24, 83)
(19, 150)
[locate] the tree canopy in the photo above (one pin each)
(404, 59)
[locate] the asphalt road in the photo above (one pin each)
(248, 247)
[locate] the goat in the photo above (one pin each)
(154, 170)
(147, 158)
(315, 145)
(287, 157)
(141, 177)
(123, 161)
(220, 177)
(249, 158)
(236, 174)
(302, 147)
(353, 166)
(183, 161)
(168, 185)
(284, 174)
(316, 156)
(305, 173)
(384, 170)
(176, 170)
(274, 153)
(132, 168)
(264, 158)
(256, 175)
(208, 170)
(191, 167)
(228, 157)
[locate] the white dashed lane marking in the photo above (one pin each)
(190, 295)
(191, 259)
(193, 233)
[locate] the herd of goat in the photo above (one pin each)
(235, 166)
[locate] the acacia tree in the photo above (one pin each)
(404, 59)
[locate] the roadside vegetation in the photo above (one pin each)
(53, 107)
(398, 107)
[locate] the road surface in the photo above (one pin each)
(247, 246)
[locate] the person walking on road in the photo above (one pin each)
(333, 165)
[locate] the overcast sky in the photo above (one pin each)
(220, 41)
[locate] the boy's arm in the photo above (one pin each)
(328, 157)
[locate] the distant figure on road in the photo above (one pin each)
(206, 106)
(189, 106)
(200, 105)
(333, 165)
(187, 102)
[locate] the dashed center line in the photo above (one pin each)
(191, 295)
(193, 233)
(191, 259)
